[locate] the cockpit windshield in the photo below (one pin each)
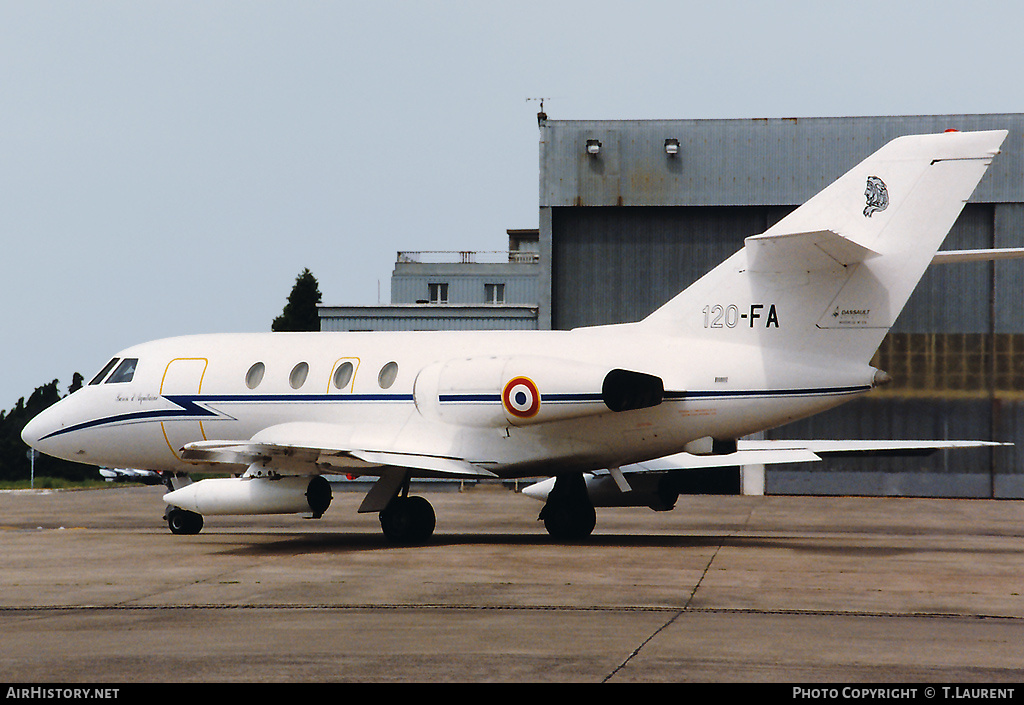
(104, 372)
(125, 371)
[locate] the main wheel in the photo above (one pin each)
(569, 513)
(566, 520)
(408, 520)
(180, 521)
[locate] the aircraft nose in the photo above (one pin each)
(33, 431)
(42, 425)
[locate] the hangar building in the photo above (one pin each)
(631, 212)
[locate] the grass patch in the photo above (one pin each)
(60, 483)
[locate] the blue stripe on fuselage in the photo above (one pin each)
(194, 407)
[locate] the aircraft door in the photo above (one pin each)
(184, 377)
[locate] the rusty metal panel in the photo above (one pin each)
(740, 162)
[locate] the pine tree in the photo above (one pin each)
(300, 313)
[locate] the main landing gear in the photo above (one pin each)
(568, 513)
(407, 520)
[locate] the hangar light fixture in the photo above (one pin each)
(593, 147)
(672, 146)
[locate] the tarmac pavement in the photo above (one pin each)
(94, 589)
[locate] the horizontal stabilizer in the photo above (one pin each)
(787, 252)
(953, 256)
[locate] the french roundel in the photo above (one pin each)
(521, 397)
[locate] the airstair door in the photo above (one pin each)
(184, 378)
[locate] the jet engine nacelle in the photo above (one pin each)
(654, 491)
(255, 495)
(523, 390)
(659, 491)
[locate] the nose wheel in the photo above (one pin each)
(183, 522)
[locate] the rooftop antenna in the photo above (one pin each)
(541, 116)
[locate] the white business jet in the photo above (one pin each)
(783, 329)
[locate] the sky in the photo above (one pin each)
(170, 167)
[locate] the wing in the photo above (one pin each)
(313, 448)
(773, 452)
(768, 452)
(952, 256)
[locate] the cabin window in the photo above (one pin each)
(104, 372)
(298, 376)
(343, 375)
(255, 375)
(387, 375)
(125, 371)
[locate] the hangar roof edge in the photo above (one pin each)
(741, 161)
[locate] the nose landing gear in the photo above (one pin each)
(183, 522)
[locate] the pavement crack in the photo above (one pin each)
(642, 644)
(685, 607)
(668, 623)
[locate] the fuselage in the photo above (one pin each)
(450, 394)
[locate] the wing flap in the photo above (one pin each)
(433, 463)
(688, 461)
(312, 448)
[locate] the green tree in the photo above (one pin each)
(300, 312)
(14, 461)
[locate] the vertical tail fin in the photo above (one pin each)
(833, 275)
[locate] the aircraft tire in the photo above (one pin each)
(182, 522)
(408, 520)
(568, 520)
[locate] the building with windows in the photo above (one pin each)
(467, 290)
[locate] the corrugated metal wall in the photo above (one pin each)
(740, 162)
(427, 317)
(614, 265)
(520, 288)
